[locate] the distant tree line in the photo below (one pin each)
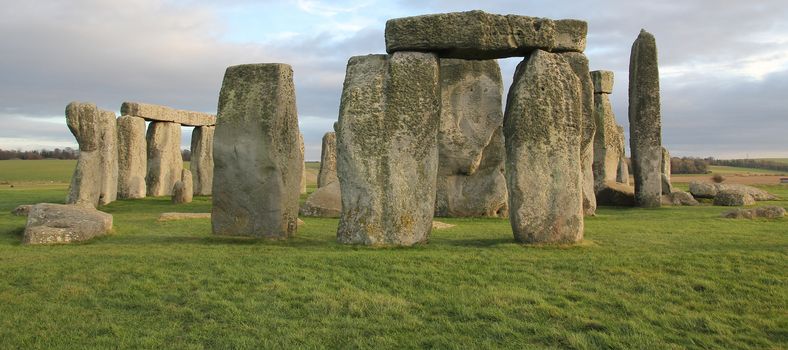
(750, 163)
(57, 153)
(689, 165)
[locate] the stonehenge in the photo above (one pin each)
(201, 164)
(58, 224)
(325, 201)
(387, 152)
(664, 168)
(164, 157)
(608, 139)
(328, 160)
(258, 163)
(132, 157)
(95, 179)
(645, 135)
(158, 113)
(182, 191)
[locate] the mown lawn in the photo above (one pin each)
(670, 278)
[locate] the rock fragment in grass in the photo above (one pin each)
(58, 223)
(771, 212)
(732, 198)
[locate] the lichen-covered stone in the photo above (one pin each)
(165, 161)
(132, 157)
(645, 131)
(603, 81)
(542, 129)
(328, 160)
(166, 114)
(325, 202)
(108, 192)
(732, 198)
(302, 149)
(182, 191)
(771, 212)
(480, 35)
(96, 175)
(667, 188)
(608, 138)
(387, 154)
(679, 198)
(201, 164)
(58, 223)
(256, 153)
(702, 189)
(22, 210)
(616, 194)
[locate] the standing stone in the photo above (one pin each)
(470, 141)
(257, 159)
(543, 132)
(667, 188)
(609, 139)
(182, 191)
(201, 164)
(622, 175)
(645, 133)
(387, 154)
(165, 161)
(132, 157)
(328, 160)
(579, 64)
(109, 158)
(303, 169)
(95, 178)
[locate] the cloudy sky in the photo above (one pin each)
(723, 64)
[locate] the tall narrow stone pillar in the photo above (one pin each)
(645, 130)
(609, 138)
(387, 154)
(303, 168)
(95, 178)
(543, 133)
(328, 160)
(667, 188)
(201, 164)
(257, 158)
(165, 161)
(132, 157)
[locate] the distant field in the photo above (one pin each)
(776, 160)
(715, 169)
(37, 170)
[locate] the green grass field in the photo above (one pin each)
(777, 160)
(671, 278)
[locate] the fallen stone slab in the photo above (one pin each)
(59, 223)
(701, 189)
(182, 216)
(325, 202)
(480, 35)
(158, 113)
(772, 212)
(437, 225)
(22, 210)
(733, 198)
(616, 194)
(679, 198)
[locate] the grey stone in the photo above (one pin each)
(22, 210)
(58, 223)
(701, 189)
(733, 198)
(470, 140)
(603, 81)
(679, 198)
(387, 154)
(257, 160)
(608, 142)
(109, 158)
(303, 169)
(480, 35)
(182, 191)
(182, 216)
(772, 212)
(165, 161)
(622, 174)
(328, 160)
(325, 202)
(616, 194)
(132, 157)
(201, 164)
(542, 129)
(667, 188)
(95, 178)
(166, 114)
(645, 131)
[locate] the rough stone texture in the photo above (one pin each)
(108, 192)
(645, 130)
(22, 210)
(622, 174)
(328, 160)
(470, 140)
(732, 198)
(303, 169)
(201, 164)
(480, 35)
(325, 202)
(542, 129)
(678, 198)
(182, 191)
(702, 189)
(132, 157)
(182, 216)
(58, 223)
(165, 161)
(579, 64)
(616, 194)
(667, 188)
(608, 139)
(387, 153)
(166, 114)
(96, 175)
(760, 212)
(603, 81)
(258, 163)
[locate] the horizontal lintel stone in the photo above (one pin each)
(151, 112)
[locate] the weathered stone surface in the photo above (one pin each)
(182, 216)
(58, 223)
(579, 64)
(667, 188)
(132, 157)
(771, 212)
(603, 81)
(303, 169)
(622, 174)
(257, 160)
(702, 189)
(470, 140)
(608, 142)
(108, 192)
(201, 164)
(542, 129)
(166, 114)
(165, 161)
(480, 35)
(645, 130)
(387, 154)
(95, 178)
(182, 191)
(22, 210)
(678, 198)
(328, 160)
(325, 202)
(732, 198)
(616, 194)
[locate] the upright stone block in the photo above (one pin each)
(645, 131)
(667, 188)
(609, 137)
(543, 133)
(603, 81)
(470, 141)
(302, 148)
(95, 178)
(109, 158)
(257, 158)
(387, 154)
(182, 191)
(622, 174)
(328, 160)
(201, 164)
(132, 157)
(165, 161)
